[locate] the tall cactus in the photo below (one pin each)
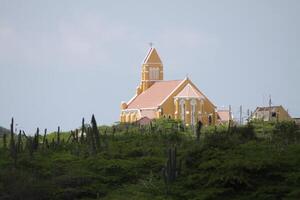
(172, 168)
(12, 144)
(82, 132)
(58, 135)
(71, 136)
(12, 136)
(76, 136)
(36, 140)
(91, 141)
(44, 139)
(4, 141)
(19, 142)
(30, 145)
(95, 133)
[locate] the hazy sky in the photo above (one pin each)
(64, 60)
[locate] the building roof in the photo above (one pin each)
(144, 121)
(155, 95)
(189, 91)
(224, 115)
(152, 57)
(149, 113)
(267, 108)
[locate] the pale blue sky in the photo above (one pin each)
(64, 60)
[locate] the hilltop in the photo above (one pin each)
(156, 162)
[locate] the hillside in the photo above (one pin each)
(258, 161)
(3, 130)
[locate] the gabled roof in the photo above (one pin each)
(189, 92)
(155, 95)
(152, 57)
(224, 115)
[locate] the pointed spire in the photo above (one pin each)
(152, 56)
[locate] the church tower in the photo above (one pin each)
(152, 70)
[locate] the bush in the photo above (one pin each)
(286, 132)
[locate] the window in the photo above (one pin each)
(193, 109)
(154, 73)
(182, 109)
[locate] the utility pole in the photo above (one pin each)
(230, 118)
(270, 104)
(248, 115)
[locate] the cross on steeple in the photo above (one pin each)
(151, 44)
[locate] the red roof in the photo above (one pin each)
(155, 95)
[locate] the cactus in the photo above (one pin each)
(76, 136)
(4, 141)
(52, 145)
(19, 143)
(95, 133)
(82, 132)
(30, 146)
(36, 140)
(44, 138)
(46, 143)
(12, 136)
(58, 136)
(12, 144)
(91, 141)
(172, 168)
(70, 136)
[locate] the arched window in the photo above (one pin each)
(182, 109)
(193, 111)
(154, 73)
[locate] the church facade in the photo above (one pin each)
(176, 99)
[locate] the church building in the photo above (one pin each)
(176, 99)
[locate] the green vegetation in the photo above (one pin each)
(161, 161)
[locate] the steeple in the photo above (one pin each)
(152, 57)
(152, 70)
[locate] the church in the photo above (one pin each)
(157, 98)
